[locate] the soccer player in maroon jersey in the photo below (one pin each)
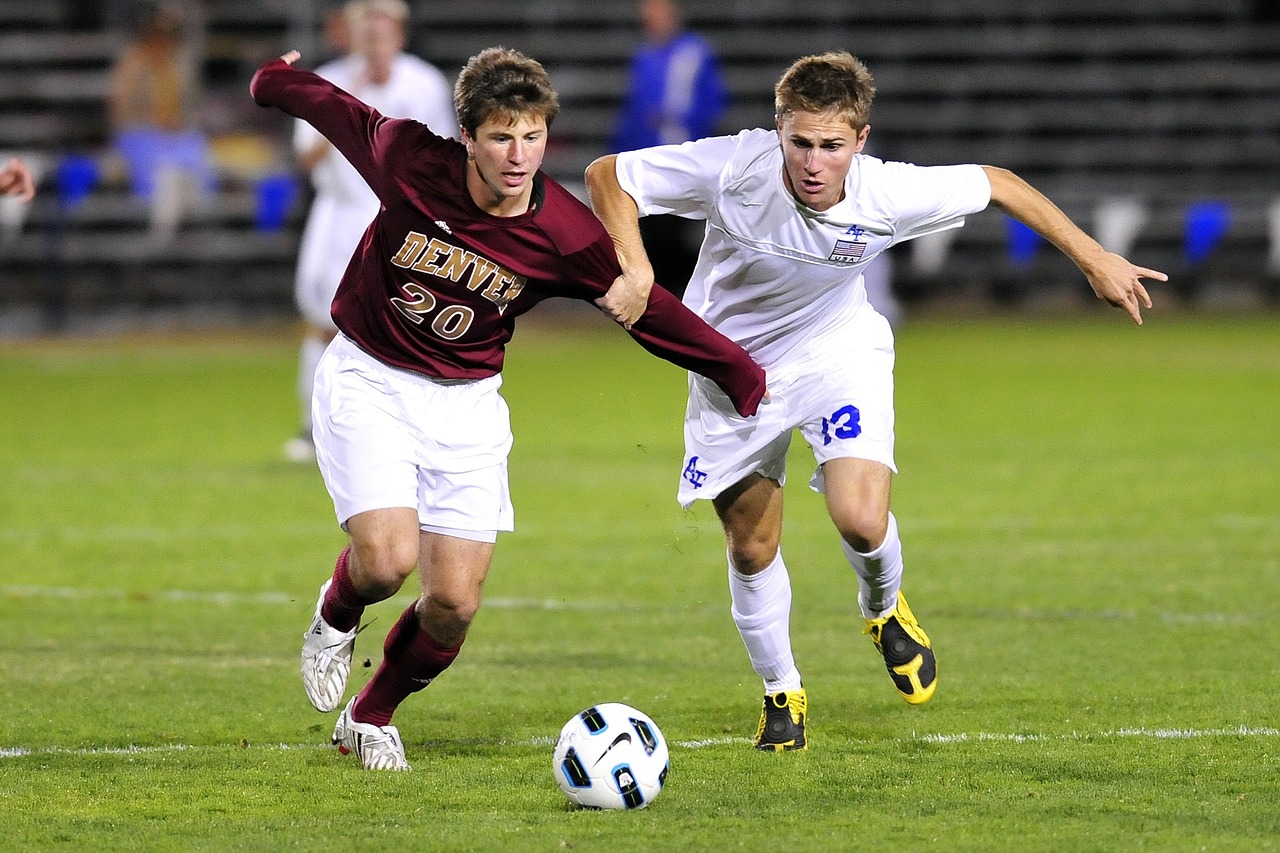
(411, 432)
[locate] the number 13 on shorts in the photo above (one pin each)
(843, 423)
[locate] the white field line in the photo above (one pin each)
(229, 599)
(957, 738)
(1154, 734)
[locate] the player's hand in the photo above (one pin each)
(628, 297)
(16, 180)
(291, 57)
(1119, 283)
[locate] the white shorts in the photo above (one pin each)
(839, 394)
(387, 437)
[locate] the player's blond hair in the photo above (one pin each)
(397, 10)
(500, 82)
(827, 82)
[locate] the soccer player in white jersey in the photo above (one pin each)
(792, 216)
(380, 73)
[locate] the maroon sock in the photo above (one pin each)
(411, 659)
(343, 605)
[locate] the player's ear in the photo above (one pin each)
(862, 138)
(469, 143)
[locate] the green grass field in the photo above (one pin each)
(1091, 519)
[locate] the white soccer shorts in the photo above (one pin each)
(387, 438)
(839, 397)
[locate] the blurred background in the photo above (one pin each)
(1156, 126)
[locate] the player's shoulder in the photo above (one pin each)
(878, 184)
(872, 168)
(755, 141)
(894, 177)
(566, 220)
(752, 151)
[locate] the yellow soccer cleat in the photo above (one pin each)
(908, 654)
(782, 722)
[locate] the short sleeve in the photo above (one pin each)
(682, 179)
(935, 198)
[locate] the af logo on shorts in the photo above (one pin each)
(693, 475)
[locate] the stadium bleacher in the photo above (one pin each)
(1139, 119)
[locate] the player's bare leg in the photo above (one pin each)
(760, 589)
(422, 644)
(382, 553)
(751, 514)
(857, 492)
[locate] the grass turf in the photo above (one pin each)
(1092, 540)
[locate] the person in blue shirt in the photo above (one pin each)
(676, 93)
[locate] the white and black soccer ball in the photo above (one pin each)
(611, 756)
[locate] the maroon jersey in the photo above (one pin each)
(436, 283)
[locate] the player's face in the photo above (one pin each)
(817, 150)
(503, 156)
(381, 38)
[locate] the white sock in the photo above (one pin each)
(762, 611)
(879, 573)
(308, 358)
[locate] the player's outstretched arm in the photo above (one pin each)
(1112, 278)
(374, 144)
(16, 180)
(628, 297)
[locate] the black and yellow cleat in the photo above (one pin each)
(782, 722)
(908, 654)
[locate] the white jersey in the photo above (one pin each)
(344, 205)
(773, 275)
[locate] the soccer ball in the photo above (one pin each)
(611, 756)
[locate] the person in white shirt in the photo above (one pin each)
(397, 84)
(793, 215)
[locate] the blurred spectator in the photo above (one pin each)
(154, 106)
(16, 180)
(676, 93)
(380, 73)
(337, 31)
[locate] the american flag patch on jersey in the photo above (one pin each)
(847, 251)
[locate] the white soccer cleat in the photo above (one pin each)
(326, 659)
(379, 747)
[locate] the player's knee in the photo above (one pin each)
(862, 527)
(753, 554)
(383, 565)
(448, 616)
